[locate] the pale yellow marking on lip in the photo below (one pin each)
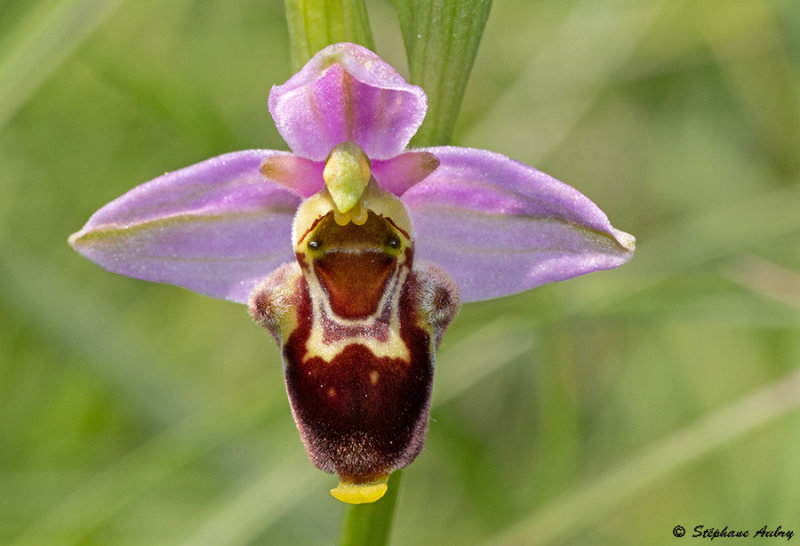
(332, 392)
(394, 347)
(373, 377)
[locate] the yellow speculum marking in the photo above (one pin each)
(360, 493)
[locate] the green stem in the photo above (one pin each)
(316, 24)
(369, 524)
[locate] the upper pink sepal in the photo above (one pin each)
(347, 93)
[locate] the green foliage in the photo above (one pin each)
(441, 40)
(602, 410)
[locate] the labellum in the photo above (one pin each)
(358, 322)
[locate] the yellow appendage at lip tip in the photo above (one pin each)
(360, 493)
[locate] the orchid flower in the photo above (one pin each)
(354, 252)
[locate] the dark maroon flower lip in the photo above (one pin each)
(358, 324)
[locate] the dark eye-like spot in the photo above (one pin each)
(314, 244)
(394, 242)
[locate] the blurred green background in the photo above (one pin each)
(603, 410)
